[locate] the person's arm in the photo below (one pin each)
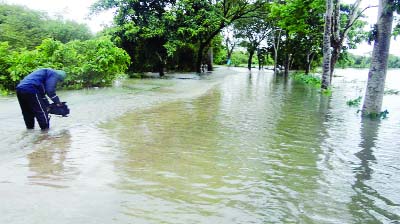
(44, 98)
(51, 84)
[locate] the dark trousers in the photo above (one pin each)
(33, 106)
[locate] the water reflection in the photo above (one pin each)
(47, 161)
(368, 205)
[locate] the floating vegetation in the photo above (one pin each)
(355, 102)
(381, 115)
(391, 92)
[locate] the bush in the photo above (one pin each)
(4, 65)
(307, 79)
(98, 62)
(95, 62)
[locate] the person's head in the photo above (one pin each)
(61, 74)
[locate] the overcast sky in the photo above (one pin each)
(78, 10)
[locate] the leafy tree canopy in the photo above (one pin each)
(22, 27)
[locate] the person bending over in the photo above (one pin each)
(31, 93)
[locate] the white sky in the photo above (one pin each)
(78, 10)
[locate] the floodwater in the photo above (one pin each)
(229, 147)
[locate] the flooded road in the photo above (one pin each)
(231, 147)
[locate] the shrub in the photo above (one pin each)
(307, 79)
(95, 62)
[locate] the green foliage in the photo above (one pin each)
(307, 79)
(301, 25)
(381, 115)
(20, 27)
(98, 62)
(220, 58)
(4, 65)
(391, 92)
(156, 34)
(219, 51)
(25, 28)
(143, 29)
(239, 58)
(356, 61)
(66, 30)
(95, 62)
(326, 92)
(354, 102)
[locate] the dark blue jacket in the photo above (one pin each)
(42, 82)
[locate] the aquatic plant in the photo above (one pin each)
(311, 80)
(381, 115)
(391, 92)
(354, 102)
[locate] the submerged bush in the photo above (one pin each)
(307, 79)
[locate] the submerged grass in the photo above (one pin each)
(311, 80)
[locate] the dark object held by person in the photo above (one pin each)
(62, 109)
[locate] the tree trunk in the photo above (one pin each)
(160, 65)
(336, 47)
(326, 66)
(340, 36)
(210, 59)
(249, 61)
(276, 48)
(288, 58)
(228, 59)
(377, 72)
(337, 40)
(275, 58)
(310, 58)
(199, 59)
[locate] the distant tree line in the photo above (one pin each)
(358, 61)
(25, 28)
(30, 40)
(181, 35)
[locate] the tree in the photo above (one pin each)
(254, 31)
(25, 28)
(299, 24)
(380, 54)
(66, 30)
(21, 27)
(326, 66)
(276, 32)
(143, 28)
(202, 20)
(230, 41)
(345, 26)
